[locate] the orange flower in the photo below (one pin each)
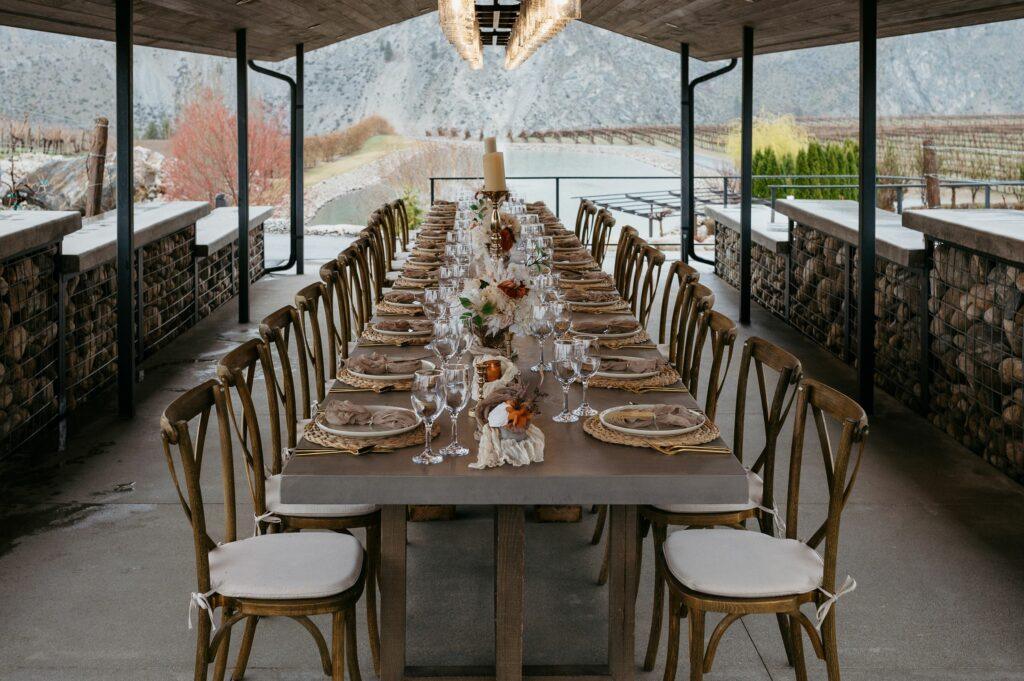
(508, 239)
(513, 289)
(518, 417)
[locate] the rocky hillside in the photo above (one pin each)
(585, 77)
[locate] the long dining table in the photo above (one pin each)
(577, 469)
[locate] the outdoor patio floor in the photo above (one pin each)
(97, 561)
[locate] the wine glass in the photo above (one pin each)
(541, 328)
(427, 402)
(564, 367)
(562, 317)
(432, 303)
(456, 396)
(588, 361)
(448, 341)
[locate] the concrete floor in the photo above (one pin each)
(96, 560)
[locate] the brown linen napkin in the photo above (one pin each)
(589, 296)
(660, 415)
(575, 275)
(573, 256)
(376, 364)
(613, 325)
(637, 365)
(345, 413)
(404, 366)
(414, 272)
(393, 418)
(408, 325)
(402, 297)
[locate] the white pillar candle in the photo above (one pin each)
(494, 172)
(490, 145)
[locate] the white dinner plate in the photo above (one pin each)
(591, 334)
(408, 306)
(625, 374)
(424, 364)
(366, 431)
(649, 432)
(402, 334)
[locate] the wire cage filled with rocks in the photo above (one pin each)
(767, 269)
(90, 332)
(168, 288)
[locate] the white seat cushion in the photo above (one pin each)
(755, 492)
(275, 506)
(293, 565)
(742, 564)
(393, 276)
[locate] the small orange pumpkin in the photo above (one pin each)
(518, 417)
(492, 370)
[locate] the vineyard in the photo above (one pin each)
(21, 135)
(650, 135)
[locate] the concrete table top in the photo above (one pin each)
(577, 469)
(771, 235)
(998, 231)
(96, 242)
(220, 227)
(24, 230)
(840, 218)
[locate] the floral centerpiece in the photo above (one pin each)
(505, 427)
(498, 301)
(508, 228)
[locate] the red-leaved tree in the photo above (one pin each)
(204, 152)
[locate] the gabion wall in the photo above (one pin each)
(976, 391)
(767, 269)
(168, 287)
(91, 332)
(218, 281)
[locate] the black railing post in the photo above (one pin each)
(725, 192)
(125, 211)
(242, 93)
(746, 173)
(431, 191)
(685, 152)
(866, 249)
(558, 197)
(299, 131)
(988, 196)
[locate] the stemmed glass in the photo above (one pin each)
(588, 361)
(456, 397)
(427, 401)
(564, 366)
(449, 340)
(432, 304)
(541, 328)
(562, 318)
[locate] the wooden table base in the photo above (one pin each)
(509, 578)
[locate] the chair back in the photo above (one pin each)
(623, 251)
(339, 299)
(237, 371)
(377, 257)
(827, 406)
(401, 213)
(717, 333)
(689, 309)
(281, 331)
(585, 221)
(316, 316)
(648, 276)
(785, 368)
(681, 277)
(603, 224)
(355, 262)
(176, 434)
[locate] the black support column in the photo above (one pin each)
(685, 155)
(746, 156)
(125, 207)
(866, 246)
(242, 88)
(300, 141)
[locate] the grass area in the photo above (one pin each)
(375, 147)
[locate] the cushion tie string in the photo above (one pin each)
(198, 601)
(778, 524)
(267, 517)
(848, 586)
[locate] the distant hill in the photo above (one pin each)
(586, 77)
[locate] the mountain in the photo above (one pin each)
(585, 77)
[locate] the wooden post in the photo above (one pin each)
(930, 170)
(94, 168)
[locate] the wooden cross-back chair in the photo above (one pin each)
(631, 256)
(677, 293)
(602, 231)
(280, 575)
(236, 370)
(799, 573)
(377, 265)
(645, 289)
(316, 317)
(354, 262)
(335, 278)
(585, 221)
(281, 332)
(401, 221)
(776, 394)
(691, 306)
(624, 250)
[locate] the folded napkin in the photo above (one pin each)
(589, 296)
(574, 256)
(393, 418)
(660, 415)
(574, 275)
(415, 272)
(345, 413)
(379, 365)
(613, 325)
(408, 325)
(637, 365)
(402, 297)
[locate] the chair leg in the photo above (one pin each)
(696, 645)
(602, 516)
(338, 646)
(657, 607)
(672, 646)
(373, 630)
(220, 664)
(351, 646)
(828, 634)
(202, 647)
(796, 644)
(245, 648)
(602, 577)
(787, 636)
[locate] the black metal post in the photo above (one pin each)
(299, 132)
(125, 210)
(558, 196)
(746, 171)
(242, 91)
(685, 155)
(866, 247)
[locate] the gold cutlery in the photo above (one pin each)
(672, 450)
(382, 389)
(355, 451)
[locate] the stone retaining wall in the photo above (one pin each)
(767, 270)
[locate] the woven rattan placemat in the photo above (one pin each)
(349, 445)
(706, 433)
(370, 335)
(667, 376)
(381, 385)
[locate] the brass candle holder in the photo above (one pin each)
(496, 197)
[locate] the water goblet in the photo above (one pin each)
(588, 362)
(562, 317)
(447, 341)
(456, 397)
(432, 303)
(541, 328)
(564, 367)
(427, 402)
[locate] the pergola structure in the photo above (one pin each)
(706, 29)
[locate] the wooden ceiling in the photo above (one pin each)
(711, 27)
